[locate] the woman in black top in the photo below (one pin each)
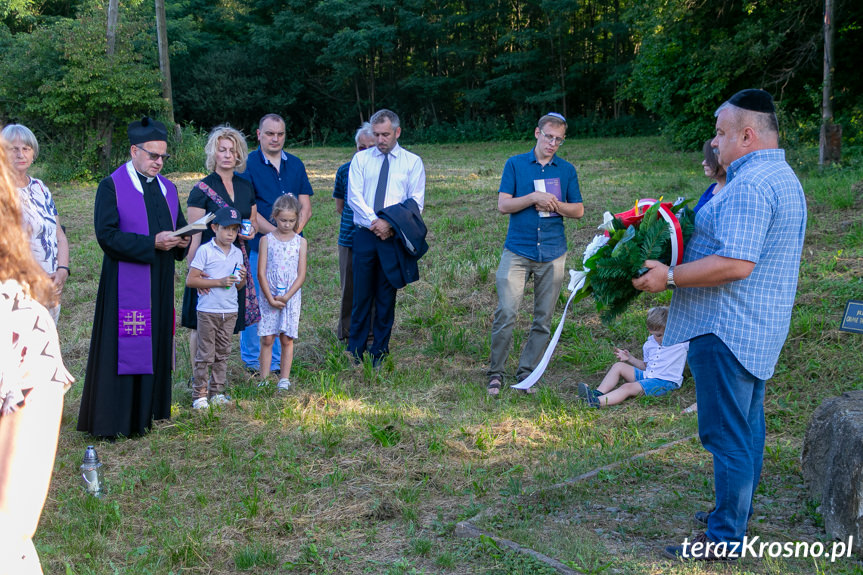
(226, 155)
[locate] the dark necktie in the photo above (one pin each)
(381, 191)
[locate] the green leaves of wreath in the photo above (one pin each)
(614, 265)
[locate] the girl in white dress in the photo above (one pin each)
(281, 273)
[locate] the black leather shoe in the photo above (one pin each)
(703, 516)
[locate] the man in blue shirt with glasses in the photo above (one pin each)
(537, 190)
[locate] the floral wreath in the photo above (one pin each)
(652, 230)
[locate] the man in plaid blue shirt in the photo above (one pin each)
(738, 283)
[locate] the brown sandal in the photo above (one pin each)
(493, 387)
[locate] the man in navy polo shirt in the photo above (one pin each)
(273, 172)
(537, 190)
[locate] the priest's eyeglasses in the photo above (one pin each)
(153, 155)
(552, 139)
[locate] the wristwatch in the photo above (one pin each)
(669, 282)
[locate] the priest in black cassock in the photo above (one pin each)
(128, 381)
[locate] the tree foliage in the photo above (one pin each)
(59, 80)
(453, 69)
(693, 55)
(327, 65)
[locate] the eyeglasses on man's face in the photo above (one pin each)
(154, 156)
(552, 139)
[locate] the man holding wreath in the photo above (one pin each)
(736, 289)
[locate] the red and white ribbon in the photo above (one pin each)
(673, 228)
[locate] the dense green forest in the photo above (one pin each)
(455, 70)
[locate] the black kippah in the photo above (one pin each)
(147, 130)
(753, 100)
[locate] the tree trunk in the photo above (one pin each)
(370, 81)
(359, 100)
(165, 65)
(106, 126)
(113, 11)
(830, 144)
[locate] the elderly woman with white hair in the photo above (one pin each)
(48, 241)
(33, 380)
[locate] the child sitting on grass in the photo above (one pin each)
(218, 268)
(661, 370)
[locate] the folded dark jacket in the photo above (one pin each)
(410, 245)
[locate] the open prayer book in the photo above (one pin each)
(195, 227)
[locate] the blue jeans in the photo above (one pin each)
(250, 343)
(653, 386)
(512, 274)
(731, 427)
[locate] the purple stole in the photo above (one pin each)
(134, 321)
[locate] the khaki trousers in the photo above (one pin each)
(214, 347)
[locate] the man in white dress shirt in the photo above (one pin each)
(380, 177)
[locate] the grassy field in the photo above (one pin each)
(364, 471)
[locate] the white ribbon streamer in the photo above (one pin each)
(576, 282)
